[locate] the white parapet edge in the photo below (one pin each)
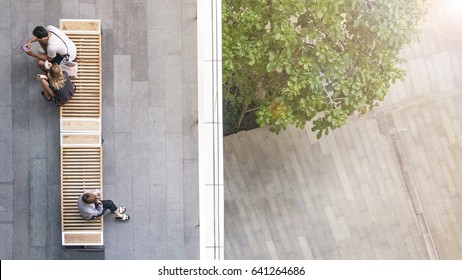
(211, 198)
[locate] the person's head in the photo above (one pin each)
(40, 32)
(56, 76)
(89, 198)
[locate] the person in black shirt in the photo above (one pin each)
(56, 85)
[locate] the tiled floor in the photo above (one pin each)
(366, 190)
(149, 130)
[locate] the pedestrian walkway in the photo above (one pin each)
(385, 186)
(149, 67)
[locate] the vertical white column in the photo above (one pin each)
(210, 130)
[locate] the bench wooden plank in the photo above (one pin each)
(82, 238)
(80, 124)
(80, 25)
(80, 139)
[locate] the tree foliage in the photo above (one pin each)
(295, 61)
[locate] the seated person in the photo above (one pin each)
(56, 85)
(55, 44)
(91, 207)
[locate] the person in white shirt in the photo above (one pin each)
(55, 44)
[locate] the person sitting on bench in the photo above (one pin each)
(56, 46)
(56, 85)
(91, 207)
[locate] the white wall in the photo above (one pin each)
(210, 130)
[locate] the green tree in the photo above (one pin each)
(295, 61)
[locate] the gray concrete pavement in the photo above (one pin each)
(149, 130)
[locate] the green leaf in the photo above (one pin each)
(319, 14)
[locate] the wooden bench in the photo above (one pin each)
(80, 133)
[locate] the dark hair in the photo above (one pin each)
(89, 198)
(40, 32)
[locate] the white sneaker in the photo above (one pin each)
(41, 77)
(69, 63)
(47, 64)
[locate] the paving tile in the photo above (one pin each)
(338, 225)
(174, 95)
(21, 236)
(52, 11)
(189, 34)
(38, 253)
(110, 226)
(6, 203)
(174, 157)
(5, 15)
(124, 241)
(53, 150)
(123, 145)
(6, 147)
(38, 129)
(54, 237)
(156, 67)
(124, 181)
(158, 212)
(5, 73)
(141, 198)
(17, 21)
(20, 88)
(21, 179)
(137, 14)
(6, 242)
(36, 15)
(157, 123)
(140, 121)
(39, 201)
(159, 249)
(107, 60)
(109, 153)
(191, 198)
(142, 248)
(5, 47)
(122, 93)
(156, 9)
(175, 233)
(192, 248)
(105, 12)
(87, 9)
(70, 9)
(158, 168)
(173, 28)
(190, 127)
(121, 25)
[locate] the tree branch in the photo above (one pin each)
(245, 111)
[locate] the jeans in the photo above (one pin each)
(108, 204)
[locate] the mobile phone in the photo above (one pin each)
(25, 48)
